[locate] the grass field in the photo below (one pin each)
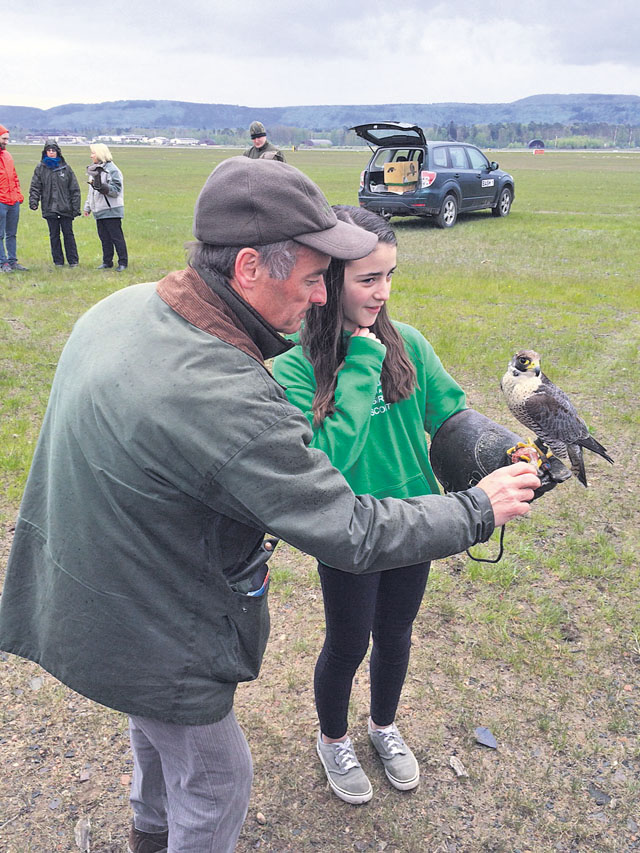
(543, 647)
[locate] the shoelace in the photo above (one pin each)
(392, 740)
(345, 756)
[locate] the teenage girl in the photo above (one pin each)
(370, 388)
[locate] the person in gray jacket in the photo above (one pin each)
(55, 188)
(138, 572)
(105, 200)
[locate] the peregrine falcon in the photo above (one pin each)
(546, 410)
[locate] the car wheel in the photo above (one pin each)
(448, 212)
(503, 206)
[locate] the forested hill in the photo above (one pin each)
(124, 116)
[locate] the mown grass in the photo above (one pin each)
(543, 647)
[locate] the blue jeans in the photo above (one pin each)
(9, 215)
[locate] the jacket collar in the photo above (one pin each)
(208, 302)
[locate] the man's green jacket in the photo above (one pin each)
(166, 451)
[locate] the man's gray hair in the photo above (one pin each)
(279, 258)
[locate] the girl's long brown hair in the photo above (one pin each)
(322, 335)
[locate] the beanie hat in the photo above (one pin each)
(247, 202)
(3, 129)
(256, 129)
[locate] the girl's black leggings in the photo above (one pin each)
(382, 604)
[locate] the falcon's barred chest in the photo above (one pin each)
(519, 393)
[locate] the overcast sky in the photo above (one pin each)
(290, 52)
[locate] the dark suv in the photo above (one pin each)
(410, 176)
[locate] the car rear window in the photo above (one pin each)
(439, 156)
(396, 155)
(458, 158)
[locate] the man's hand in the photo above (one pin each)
(510, 490)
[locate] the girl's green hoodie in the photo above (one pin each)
(381, 448)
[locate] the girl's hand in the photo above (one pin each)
(364, 332)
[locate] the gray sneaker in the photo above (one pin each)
(399, 762)
(347, 779)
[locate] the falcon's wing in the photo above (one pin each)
(554, 414)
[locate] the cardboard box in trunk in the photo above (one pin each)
(400, 174)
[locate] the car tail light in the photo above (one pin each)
(427, 178)
(362, 179)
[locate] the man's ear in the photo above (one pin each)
(247, 268)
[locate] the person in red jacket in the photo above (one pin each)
(10, 201)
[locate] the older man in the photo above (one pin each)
(10, 201)
(138, 571)
(260, 148)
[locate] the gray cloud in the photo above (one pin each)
(576, 32)
(592, 34)
(340, 51)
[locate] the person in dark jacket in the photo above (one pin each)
(260, 149)
(138, 572)
(55, 188)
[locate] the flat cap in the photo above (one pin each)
(247, 202)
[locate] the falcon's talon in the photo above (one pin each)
(543, 448)
(525, 451)
(516, 447)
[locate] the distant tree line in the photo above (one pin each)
(498, 135)
(490, 135)
(555, 135)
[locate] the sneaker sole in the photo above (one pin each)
(353, 799)
(403, 786)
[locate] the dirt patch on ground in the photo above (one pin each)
(560, 693)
